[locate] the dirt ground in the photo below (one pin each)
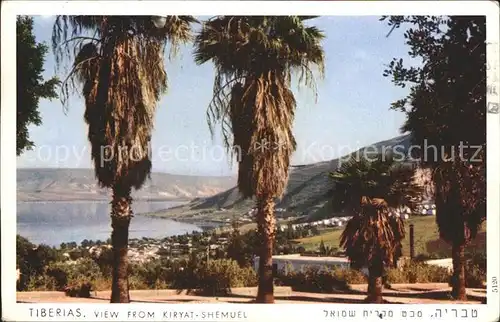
(398, 294)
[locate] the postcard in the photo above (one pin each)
(328, 158)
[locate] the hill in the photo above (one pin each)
(307, 195)
(80, 184)
(427, 241)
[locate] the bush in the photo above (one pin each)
(218, 276)
(136, 283)
(73, 277)
(32, 260)
(317, 280)
(418, 272)
(475, 277)
(475, 271)
(102, 284)
(153, 274)
(351, 276)
(40, 283)
(79, 289)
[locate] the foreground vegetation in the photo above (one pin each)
(45, 268)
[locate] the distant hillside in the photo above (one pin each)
(80, 184)
(308, 192)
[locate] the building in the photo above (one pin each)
(296, 262)
(444, 262)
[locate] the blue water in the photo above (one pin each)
(53, 223)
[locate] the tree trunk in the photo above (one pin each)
(266, 226)
(458, 288)
(375, 284)
(121, 214)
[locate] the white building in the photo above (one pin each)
(296, 262)
(444, 262)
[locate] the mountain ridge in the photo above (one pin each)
(308, 191)
(66, 184)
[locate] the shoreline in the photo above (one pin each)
(202, 224)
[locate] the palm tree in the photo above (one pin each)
(119, 64)
(460, 191)
(446, 116)
(370, 190)
(255, 58)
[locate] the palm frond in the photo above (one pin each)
(372, 235)
(246, 47)
(383, 178)
(121, 69)
(71, 33)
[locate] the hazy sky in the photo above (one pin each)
(352, 108)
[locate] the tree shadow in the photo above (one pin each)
(437, 294)
(172, 301)
(315, 300)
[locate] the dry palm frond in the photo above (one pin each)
(121, 68)
(119, 112)
(71, 33)
(254, 59)
(383, 178)
(372, 235)
(270, 106)
(370, 190)
(248, 47)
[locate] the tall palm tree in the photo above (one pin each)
(255, 58)
(119, 64)
(370, 190)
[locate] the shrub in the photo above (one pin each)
(150, 273)
(79, 289)
(74, 276)
(102, 283)
(40, 283)
(475, 271)
(475, 277)
(218, 276)
(418, 272)
(314, 279)
(136, 283)
(396, 276)
(351, 276)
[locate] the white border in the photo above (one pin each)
(493, 163)
(10, 9)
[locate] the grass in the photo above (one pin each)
(427, 239)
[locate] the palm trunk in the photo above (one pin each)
(375, 284)
(121, 214)
(266, 227)
(458, 287)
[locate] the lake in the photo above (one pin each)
(53, 223)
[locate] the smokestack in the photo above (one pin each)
(412, 242)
